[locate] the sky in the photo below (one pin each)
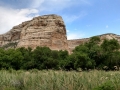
(83, 18)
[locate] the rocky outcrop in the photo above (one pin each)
(73, 43)
(47, 30)
(76, 42)
(12, 37)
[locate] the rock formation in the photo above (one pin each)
(47, 30)
(73, 43)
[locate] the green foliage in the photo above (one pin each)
(81, 48)
(28, 60)
(110, 45)
(90, 55)
(106, 86)
(94, 40)
(83, 61)
(41, 55)
(105, 54)
(58, 80)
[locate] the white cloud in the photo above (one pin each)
(75, 35)
(68, 31)
(107, 26)
(11, 17)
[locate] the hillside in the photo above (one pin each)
(47, 30)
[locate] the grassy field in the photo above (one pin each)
(59, 80)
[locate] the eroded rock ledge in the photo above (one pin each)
(73, 43)
(47, 30)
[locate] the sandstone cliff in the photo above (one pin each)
(12, 37)
(47, 30)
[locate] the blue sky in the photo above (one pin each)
(83, 18)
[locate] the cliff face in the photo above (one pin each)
(12, 37)
(73, 43)
(47, 30)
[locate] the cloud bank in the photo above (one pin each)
(10, 17)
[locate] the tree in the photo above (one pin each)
(94, 40)
(28, 60)
(69, 62)
(91, 52)
(40, 55)
(16, 58)
(83, 61)
(5, 61)
(110, 48)
(81, 48)
(110, 45)
(51, 63)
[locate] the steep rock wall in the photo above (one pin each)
(47, 30)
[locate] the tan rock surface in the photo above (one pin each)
(12, 36)
(73, 43)
(47, 30)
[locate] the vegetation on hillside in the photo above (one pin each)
(94, 54)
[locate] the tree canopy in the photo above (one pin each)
(94, 54)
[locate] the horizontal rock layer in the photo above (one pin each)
(47, 30)
(73, 43)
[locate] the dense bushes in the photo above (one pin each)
(94, 54)
(100, 54)
(40, 58)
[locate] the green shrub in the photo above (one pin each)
(106, 86)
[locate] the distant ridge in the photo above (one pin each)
(46, 30)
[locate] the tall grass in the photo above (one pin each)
(57, 80)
